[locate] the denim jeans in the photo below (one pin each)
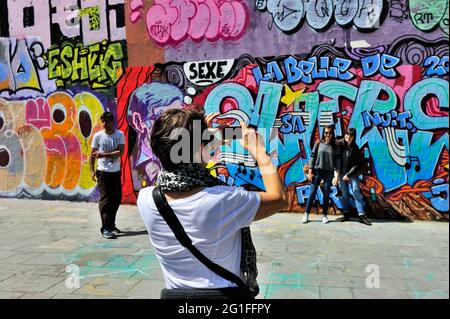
(327, 177)
(345, 199)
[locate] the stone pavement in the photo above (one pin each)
(53, 249)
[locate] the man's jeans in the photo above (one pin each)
(327, 177)
(345, 199)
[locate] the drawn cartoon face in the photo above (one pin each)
(158, 110)
(146, 104)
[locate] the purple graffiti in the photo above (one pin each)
(145, 104)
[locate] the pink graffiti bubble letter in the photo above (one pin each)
(135, 7)
(170, 22)
(38, 113)
(159, 19)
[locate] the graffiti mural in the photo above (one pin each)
(45, 145)
(20, 69)
(46, 133)
(170, 22)
(100, 65)
(53, 44)
(428, 15)
(400, 110)
(289, 15)
(286, 67)
(365, 15)
(399, 10)
(55, 21)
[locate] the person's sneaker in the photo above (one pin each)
(345, 218)
(325, 220)
(116, 231)
(305, 219)
(363, 220)
(108, 234)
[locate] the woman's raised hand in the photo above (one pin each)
(252, 141)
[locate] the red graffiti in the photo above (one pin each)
(128, 83)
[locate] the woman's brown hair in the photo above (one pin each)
(167, 125)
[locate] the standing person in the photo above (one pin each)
(351, 160)
(108, 146)
(211, 212)
(324, 164)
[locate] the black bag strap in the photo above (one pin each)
(171, 219)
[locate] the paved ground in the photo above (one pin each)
(45, 244)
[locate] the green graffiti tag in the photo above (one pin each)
(427, 15)
(94, 16)
(99, 65)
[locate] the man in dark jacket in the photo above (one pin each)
(351, 162)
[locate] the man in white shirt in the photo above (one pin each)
(108, 146)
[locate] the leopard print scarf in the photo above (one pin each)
(187, 176)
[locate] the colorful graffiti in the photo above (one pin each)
(399, 10)
(100, 65)
(383, 69)
(55, 21)
(366, 15)
(45, 144)
(290, 98)
(289, 15)
(428, 15)
(170, 22)
(20, 70)
(145, 105)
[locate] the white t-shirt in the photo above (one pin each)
(106, 143)
(212, 218)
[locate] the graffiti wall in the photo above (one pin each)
(59, 63)
(287, 68)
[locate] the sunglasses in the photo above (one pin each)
(328, 133)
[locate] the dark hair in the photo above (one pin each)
(170, 120)
(107, 116)
(333, 138)
(351, 131)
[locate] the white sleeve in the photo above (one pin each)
(240, 208)
(142, 205)
(122, 139)
(95, 141)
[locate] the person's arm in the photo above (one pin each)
(313, 158)
(118, 152)
(113, 154)
(92, 158)
(338, 163)
(274, 199)
(338, 158)
(352, 171)
(312, 161)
